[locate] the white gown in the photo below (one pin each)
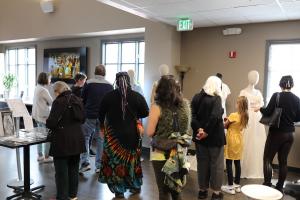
(254, 138)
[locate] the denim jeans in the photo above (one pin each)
(91, 128)
(45, 146)
(66, 176)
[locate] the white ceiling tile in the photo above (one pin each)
(293, 7)
(213, 12)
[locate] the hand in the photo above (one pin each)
(101, 133)
(257, 109)
(201, 134)
(140, 128)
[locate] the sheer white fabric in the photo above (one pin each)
(254, 138)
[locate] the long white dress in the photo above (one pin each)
(254, 138)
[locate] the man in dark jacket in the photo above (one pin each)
(92, 95)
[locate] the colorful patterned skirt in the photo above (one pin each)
(120, 168)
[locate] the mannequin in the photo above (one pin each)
(225, 91)
(134, 85)
(163, 70)
(254, 134)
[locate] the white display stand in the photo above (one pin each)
(19, 110)
(261, 192)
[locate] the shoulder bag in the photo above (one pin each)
(165, 144)
(274, 119)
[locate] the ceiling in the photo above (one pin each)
(206, 13)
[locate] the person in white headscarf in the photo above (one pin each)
(209, 138)
(133, 83)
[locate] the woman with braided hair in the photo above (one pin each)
(119, 111)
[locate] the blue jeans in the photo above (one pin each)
(45, 146)
(91, 128)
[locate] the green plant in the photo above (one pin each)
(9, 81)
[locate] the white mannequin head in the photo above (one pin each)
(131, 75)
(164, 70)
(253, 77)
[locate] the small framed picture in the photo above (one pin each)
(7, 125)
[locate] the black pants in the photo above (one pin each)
(281, 144)
(237, 177)
(164, 191)
(66, 176)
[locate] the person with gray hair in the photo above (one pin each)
(92, 95)
(209, 137)
(67, 141)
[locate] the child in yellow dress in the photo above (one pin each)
(235, 124)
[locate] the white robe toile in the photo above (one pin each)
(254, 137)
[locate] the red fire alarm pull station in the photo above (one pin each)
(232, 54)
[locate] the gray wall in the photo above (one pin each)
(206, 51)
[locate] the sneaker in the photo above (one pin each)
(75, 198)
(92, 153)
(119, 195)
(215, 196)
(97, 170)
(202, 194)
(237, 188)
(230, 189)
(48, 160)
(40, 158)
(84, 167)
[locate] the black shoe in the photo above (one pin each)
(119, 195)
(135, 190)
(202, 194)
(215, 196)
(92, 153)
(267, 184)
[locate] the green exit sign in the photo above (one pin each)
(184, 25)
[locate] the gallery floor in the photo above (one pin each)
(90, 188)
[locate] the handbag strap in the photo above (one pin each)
(277, 100)
(175, 122)
(66, 107)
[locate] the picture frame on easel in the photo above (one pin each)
(7, 127)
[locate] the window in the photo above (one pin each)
(22, 63)
(124, 55)
(2, 69)
(283, 59)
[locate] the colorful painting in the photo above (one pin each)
(64, 65)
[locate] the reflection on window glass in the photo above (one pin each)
(111, 71)
(21, 63)
(122, 56)
(142, 52)
(31, 56)
(12, 57)
(128, 52)
(22, 57)
(126, 67)
(283, 60)
(111, 53)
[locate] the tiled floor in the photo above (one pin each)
(90, 188)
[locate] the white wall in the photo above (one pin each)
(24, 19)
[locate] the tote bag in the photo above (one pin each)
(274, 119)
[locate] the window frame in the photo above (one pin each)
(119, 63)
(17, 64)
(269, 43)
